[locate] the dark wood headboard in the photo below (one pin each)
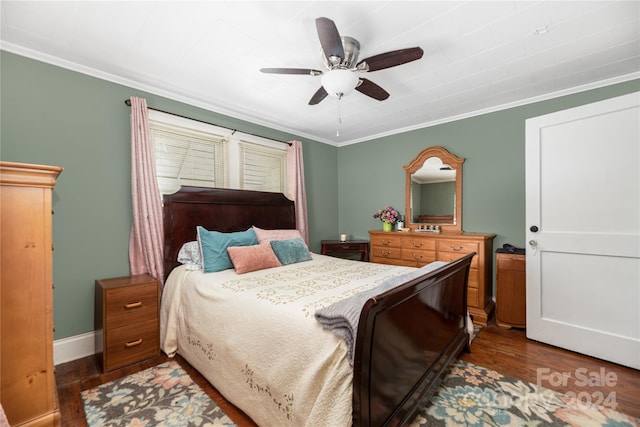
(222, 210)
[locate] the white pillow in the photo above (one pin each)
(190, 256)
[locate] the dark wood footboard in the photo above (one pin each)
(407, 338)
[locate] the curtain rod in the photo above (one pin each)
(128, 102)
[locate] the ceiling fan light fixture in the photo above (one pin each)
(339, 83)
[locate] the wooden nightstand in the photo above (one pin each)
(340, 249)
(127, 320)
(511, 289)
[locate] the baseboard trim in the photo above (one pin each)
(73, 348)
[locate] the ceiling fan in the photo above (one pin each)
(340, 56)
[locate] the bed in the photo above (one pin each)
(403, 342)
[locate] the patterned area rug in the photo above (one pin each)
(469, 396)
(473, 396)
(162, 396)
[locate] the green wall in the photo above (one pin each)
(51, 115)
(493, 199)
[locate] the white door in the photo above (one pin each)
(583, 197)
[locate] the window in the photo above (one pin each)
(262, 168)
(188, 152)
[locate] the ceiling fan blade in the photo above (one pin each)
(318, 96)
(330, 39)
(390, 59)
(306, 71)
(371, 89)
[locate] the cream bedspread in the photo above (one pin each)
(255, 338)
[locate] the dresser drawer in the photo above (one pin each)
(457, 246)
(472, 297)
(395, 262)
(128, 305)
(387, 252)
(392, 240)
(420, 256)
(410, 242)
(474, 278)
(130, 344)
(452, 256)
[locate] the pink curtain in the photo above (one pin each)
(146, 240)
(295, 187)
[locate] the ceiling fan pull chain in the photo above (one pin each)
(339, 116)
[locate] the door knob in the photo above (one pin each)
(534, 228)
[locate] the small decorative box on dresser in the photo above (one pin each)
(511, 289)
(416, 249)
(27, 381)
(127, 320)
(341, 249)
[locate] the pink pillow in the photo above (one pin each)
(265, 236)
(252, 258)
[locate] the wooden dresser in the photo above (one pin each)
(27, 381)
(416, 249)
(127, 320)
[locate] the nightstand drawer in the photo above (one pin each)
(130, 344)
(346, 246)
(507, 262)
(347, 249)
(511, 290)
(128, 305)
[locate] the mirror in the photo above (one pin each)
(434, 190)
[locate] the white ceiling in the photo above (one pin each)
(478, 56)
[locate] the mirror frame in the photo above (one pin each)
(452, 160)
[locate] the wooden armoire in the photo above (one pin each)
(27, 381)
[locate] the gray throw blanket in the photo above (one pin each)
(342, 317)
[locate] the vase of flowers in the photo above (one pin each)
(388, 216)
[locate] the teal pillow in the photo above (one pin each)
(214, 244)
(290, 251)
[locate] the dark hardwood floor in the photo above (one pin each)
(506, 351)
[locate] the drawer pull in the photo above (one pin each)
(417, 245)
(385, 242)
(133, 343)
(457, 249)
(385, 253)
(133, 305)
(417, 257)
